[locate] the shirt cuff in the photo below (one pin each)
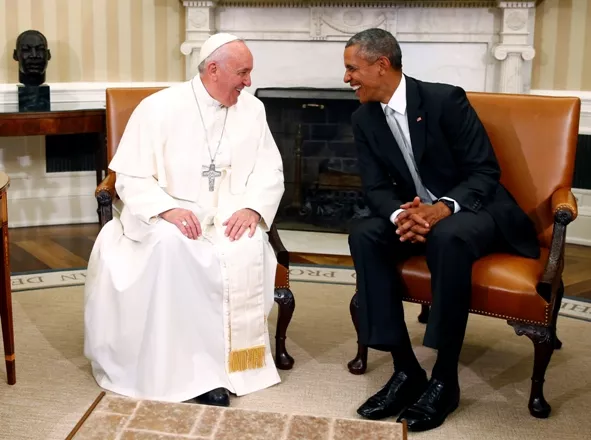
(456, 204)
(395, 214)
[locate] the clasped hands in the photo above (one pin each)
(236, 225)
(414, 223)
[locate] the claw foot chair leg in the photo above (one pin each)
(286, 302)
(359, 364)
(544, 340)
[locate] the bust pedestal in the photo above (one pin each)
(34, 98)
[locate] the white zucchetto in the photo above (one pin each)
(215, 42)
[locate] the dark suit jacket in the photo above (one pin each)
(454, 157)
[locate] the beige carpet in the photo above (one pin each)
(54, 386)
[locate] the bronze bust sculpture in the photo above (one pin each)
(32, 55)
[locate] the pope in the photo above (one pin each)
(180, 283)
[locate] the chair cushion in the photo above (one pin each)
(504, 286)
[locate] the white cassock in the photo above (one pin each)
(170, 318)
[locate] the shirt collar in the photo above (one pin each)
(202, 94)
(398, 100)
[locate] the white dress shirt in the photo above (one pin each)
(398, 104)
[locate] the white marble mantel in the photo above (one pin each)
(481, 45)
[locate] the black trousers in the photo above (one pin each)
(452, 246)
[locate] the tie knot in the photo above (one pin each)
(389, 111)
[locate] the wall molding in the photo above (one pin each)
(585, 122)
(89, 94)
(579, 231)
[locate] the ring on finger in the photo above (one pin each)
(184, 223)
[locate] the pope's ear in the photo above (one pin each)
(212, 68)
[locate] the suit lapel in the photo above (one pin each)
(417, 122)
(387, 143)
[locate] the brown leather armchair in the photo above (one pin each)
(120, 104)
(535, 139)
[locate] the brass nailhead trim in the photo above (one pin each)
(494, 315)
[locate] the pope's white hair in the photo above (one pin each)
(219, 55)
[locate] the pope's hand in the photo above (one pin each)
(241, 221)
(185, 220)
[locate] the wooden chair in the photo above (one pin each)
(535, 139)
(120, 104)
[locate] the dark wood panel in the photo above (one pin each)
(57, 122)
(22, 261)
(79, 245)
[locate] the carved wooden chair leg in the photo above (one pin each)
(286, 302)
(359, 364)
(544, 340)
(424, 315)
(557, 342)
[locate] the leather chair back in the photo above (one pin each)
(535, 139)
(121, 102)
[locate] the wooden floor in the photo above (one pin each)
(67, 247)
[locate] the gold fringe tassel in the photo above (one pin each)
(247, 359)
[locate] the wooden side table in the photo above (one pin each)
(63, 118)
(5, 285)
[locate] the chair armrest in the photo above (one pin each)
(105, 193)
(564, 208)
(280, 251)
(564, 205)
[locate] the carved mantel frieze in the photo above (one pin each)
(351, 3)
(341, 23)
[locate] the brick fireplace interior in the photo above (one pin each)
(312, 129)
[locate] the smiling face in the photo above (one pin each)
(229, 72)
(364, 76)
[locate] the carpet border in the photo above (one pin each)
(301, 273)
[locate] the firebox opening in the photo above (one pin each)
(312, 129)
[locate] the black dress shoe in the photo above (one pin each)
(400, 391)
(217, 397)
(430, 411)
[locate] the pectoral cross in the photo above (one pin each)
(211, 173)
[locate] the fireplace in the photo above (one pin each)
(312, 129)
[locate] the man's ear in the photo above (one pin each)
(48, 54)
(14, 55)
(384, 63)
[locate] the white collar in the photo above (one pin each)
(398, 100)
(202, 94)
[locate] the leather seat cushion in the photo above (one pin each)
(504, 286)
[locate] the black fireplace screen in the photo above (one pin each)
(312, 129)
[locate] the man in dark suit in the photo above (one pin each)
(431, 180)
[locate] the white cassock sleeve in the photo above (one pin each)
(138, 165)
(265, 185)
(143, 197)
